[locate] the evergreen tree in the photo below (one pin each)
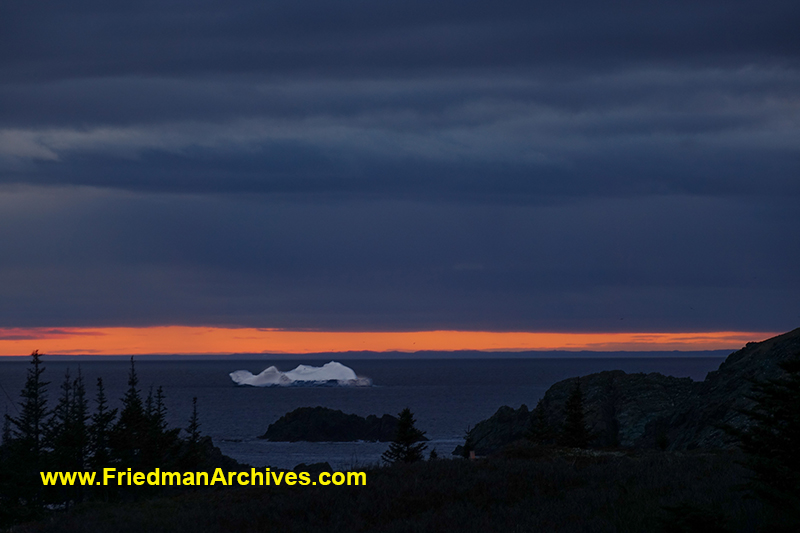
(159, 416)
(29, 427)
(161, 442)
(67, 435)
(60, 428)
(191, 455)
(140, 438)
(539, 429)
(5, 461)
(193, 429)
(26, 452)
(407, 446)
(574, 433)
(6, 431)
(100, 430)
(773, 439)
(80, 417)
(149, 407)
(130, 433)
(469, 443)
(132, 401)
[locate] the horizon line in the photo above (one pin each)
(204, 340)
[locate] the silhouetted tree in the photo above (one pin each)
(193, 429)
(67, 435)
(80, 417)
(191, 452)
(772, 442)
(159, 416)
(574, 433)
(100, 430)
(25, 451)
(68, 439)
(539, 429)
(130, 433)
(6, 430)
(161, 442)
(149, 406)
(469, 443)
(59, 430)
(609, 416)
(29, 427)
(6, 477)
(407, 446)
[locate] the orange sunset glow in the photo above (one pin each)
(213, 340)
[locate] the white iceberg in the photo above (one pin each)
(332, 373)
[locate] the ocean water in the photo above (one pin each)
(447, 396)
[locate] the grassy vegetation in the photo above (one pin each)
(526, 489)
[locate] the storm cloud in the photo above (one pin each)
(400, 166)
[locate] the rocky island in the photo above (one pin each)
(320, 424)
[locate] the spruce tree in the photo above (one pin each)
(539, 430)
(193, 429)
(28, 428)
(6, 457)
(160, 411)
(161, 442)
(469, 443)
(6, 431)
(67, 435)
(129, 435)
(407, 446)
(773, 439)
(149, 406)
(26, 451)
(191, 453)
(100, 430)
(574, 433)
(60, 428)
(80, 417)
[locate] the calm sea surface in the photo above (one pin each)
(447, 396)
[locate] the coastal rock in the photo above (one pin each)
(207, 456)
(506, 425)
(320, 424)
(618, 407)
(718, 399)
(653, 410)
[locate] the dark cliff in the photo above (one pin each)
(619, 407)
(653, 410)
(506, 425)
(720, 397)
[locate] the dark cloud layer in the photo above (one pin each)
(408, 165)
(61, 40)
(657, 263)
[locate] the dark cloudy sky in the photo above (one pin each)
(365, 165)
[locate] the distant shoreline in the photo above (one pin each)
(364, 355)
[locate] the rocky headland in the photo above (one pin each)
(651, 410)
